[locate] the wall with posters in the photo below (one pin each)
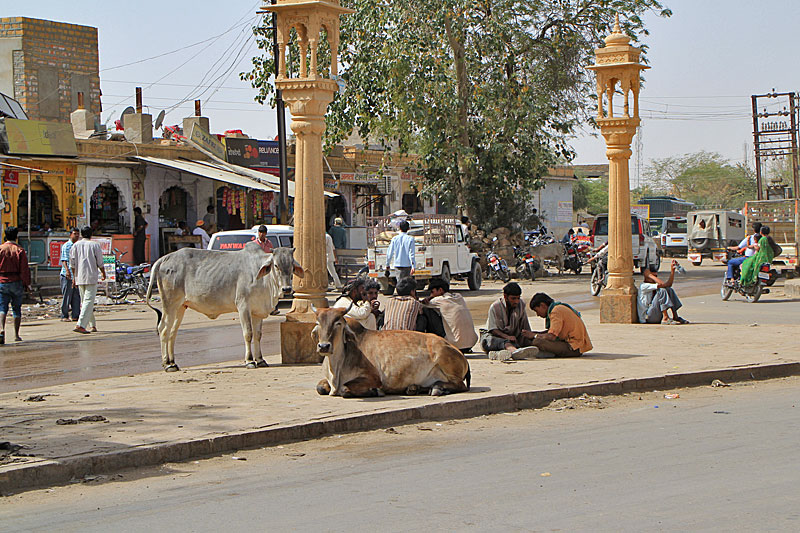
(54, 196)
(554, 203)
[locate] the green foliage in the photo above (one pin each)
(590, 194)
(704, 178)
(488, 93)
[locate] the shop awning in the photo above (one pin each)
(217, 172)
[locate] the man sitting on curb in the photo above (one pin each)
(566, 334)
(506, 326)
(657, 297)
(405, 312)
(458, 324)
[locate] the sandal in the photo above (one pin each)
(680, 320)
(670, 322)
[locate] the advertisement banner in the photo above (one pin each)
(206, 141)
(643, 210)
(242, 152)
(11, 178)
(55, 253)
(37, 137)
(268, 154)
(109, 266)
(564, 212)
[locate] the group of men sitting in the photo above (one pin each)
(507, 334)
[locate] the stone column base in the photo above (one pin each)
(298, 347)
(618, 307)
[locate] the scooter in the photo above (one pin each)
(527, 264)
(765, 278)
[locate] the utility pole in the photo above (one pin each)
(283, 199)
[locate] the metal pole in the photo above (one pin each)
(795, 170)
(283, 197)
(29, 211)
(756, 146)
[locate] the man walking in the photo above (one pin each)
(338, 233)
(86, 261)
(330, 256)
(71, 298)
(15, 278)
(402, 253)
(139, 236)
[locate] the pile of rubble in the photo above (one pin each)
(481, 242)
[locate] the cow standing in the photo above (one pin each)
(249, 282)
(361, 362)
(551, 252)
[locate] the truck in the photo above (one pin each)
(441, 251)
(782, 218)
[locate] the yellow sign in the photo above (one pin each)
(36, 137)
(206, 141)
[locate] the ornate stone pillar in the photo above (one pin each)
(308, 97)
(618, 63)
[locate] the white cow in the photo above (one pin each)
(249, 282)
(551, 252)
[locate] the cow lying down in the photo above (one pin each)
(248, 282)
(361, 362)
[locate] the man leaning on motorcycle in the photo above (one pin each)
(747, 247)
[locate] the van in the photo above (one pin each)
(278, 235)
(645, 251)
(711, 231)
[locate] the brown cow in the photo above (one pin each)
(361, 362)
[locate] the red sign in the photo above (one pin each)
(11, 178)
(55, 253)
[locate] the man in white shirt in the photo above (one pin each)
(200, 230)
(458, 324)
(353, 299)
(86, 262)
(330, 253)
(747, 247)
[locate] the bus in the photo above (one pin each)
(665, 206)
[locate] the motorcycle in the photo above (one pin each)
(129, 279)
(765, 278)
(599, 275)
(573, 259)
(498, 268)
(527, 264)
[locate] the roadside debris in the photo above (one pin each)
(584, 400)
(37, 397)
(674, 396)
(238, 458)
(89, 418)
(718, 383)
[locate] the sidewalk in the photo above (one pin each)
(156, 417)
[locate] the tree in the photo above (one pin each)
(704, 178)
(487, 93)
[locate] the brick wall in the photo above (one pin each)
(56, 61)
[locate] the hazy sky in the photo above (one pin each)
(707, 59)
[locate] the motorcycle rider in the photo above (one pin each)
(748, 247)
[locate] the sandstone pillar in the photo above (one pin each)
(617, 63)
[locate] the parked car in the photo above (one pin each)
(645, 251)
(673, 236)
(278, 235)
(710, 232)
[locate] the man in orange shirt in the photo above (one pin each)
(15, 278)
(566, 334)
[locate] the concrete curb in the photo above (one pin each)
(57, 472)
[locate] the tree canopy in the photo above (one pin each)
(488, 93)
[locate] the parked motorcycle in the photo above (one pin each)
(599, 275)
(573, 256)
(129, 279)
(498, 268)
(527, 264)
(765, 278)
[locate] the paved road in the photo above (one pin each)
(715, 459)
(127, 348)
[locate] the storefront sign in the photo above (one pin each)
(206, 141)
(242, 152)
(564, 212)
(36, 137)
(268, 154)
(55, 253)
(10, 178)
(109, 262)
(643, 210)
(360, 178)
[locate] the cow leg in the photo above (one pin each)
(361, 387)
(323, 387)
(441, 388)
(258, 325)
(167, 331)
(247, 332)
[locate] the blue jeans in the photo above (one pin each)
(736, 261)
(71, 299)
(11, 293)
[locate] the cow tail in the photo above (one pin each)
(468, 377)
(153, 281)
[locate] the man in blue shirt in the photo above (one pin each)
(402, 253)
(747, 247)
(71, 295)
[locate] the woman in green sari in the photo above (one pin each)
(764, 254)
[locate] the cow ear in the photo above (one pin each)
(264, 270)
(298, 270)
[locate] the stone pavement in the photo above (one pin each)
(156, 411)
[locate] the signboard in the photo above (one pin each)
(360, 178)
(643, 210)
(37, 137)
(242, 152)
(109, 262)
(55, 252)
(206, 141)
(268, 154)
(10, 178)
(564, 212)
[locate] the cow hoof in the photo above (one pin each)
(250, 365)
(412, 390)
(436, 391)
(346, 393)
(262, 364)
(171, 368)
(378, 393)
(323, 388)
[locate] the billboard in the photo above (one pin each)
(242, 152)
(37, 137)
(268, 154)
(206, 141)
